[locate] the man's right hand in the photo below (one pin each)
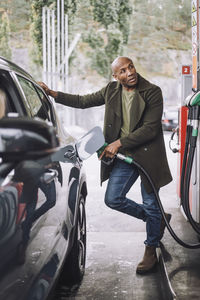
(47, 90)
(45, 87)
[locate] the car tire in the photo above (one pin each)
(74, 267)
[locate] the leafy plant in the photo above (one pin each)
(5, 49)
(113, 16)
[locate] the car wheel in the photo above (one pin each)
(74, 267)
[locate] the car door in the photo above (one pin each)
(35, 215)
(70, 179)
(39, 106)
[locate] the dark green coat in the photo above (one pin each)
(145, 142)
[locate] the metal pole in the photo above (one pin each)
(48, 49)
(58, 41)
(44, 75)
(71, 48)
(67, 59)
(65, 63)
(53, 50)
(62, 43)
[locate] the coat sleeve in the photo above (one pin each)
(78, 101)
(150, 124)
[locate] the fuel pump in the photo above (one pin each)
(190, 147)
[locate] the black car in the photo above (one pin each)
(42, 193)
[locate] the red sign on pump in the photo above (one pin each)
(185, 70)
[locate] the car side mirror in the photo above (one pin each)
(26, 138)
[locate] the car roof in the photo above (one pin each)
(7, 65)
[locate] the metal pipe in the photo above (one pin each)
(66, 59)
(53, 51)
(44, 50)
(71, 48)
(48, 49)
(58, 41)
(62, 43)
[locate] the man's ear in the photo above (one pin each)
(114, 76)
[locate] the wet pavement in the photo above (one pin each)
(110, 272)
(115, 246)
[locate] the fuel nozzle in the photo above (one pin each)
(193, 100)
(193, 103)
(195, 116)
(100, 150)
(105, 160)
(188, 99)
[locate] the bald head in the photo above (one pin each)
(120, 60)
(124, 71)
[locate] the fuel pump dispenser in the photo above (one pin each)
(186, 84)
(188, 188)
(193, 103)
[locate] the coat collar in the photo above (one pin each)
(143, 84)
(115, 100)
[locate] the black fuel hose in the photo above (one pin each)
(186, 205)
(176, 238)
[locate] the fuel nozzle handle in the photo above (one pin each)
(100, 151)
(127, 159)
(194, 100)
(120, 156)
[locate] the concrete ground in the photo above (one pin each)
(182, 264)
(115, 246)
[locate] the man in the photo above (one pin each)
(132, 125)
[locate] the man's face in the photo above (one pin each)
(125, 72)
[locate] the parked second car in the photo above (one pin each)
(170, 119)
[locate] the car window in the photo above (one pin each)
(47, 105)
(32, 99)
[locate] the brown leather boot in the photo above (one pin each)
(149, 260)
(163, 225)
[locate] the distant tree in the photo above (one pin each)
(18, 12)
(113, 15)
(163, 24)
(103, 53)
(113, 12)
(5, 49)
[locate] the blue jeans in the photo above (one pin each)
(121, 179)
